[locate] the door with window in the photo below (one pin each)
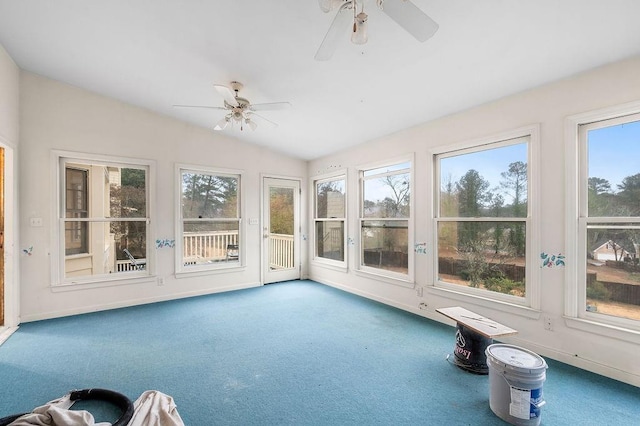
(281, 230)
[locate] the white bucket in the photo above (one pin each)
(516, 376)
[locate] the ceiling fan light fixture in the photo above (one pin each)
(359, 34)
(252, 124)
(222, 124)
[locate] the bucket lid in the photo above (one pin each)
(515, 357)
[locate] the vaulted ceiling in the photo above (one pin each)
(157, 53)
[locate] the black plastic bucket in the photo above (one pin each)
(469, 352)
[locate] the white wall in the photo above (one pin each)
(56, 116)
(548, 106)
(9, 140)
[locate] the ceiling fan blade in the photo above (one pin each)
(339, 29)
(227, 94)
(263, 118)
(328, 5)
(270, 106)
(411, 18)
(199, 106)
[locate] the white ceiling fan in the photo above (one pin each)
(239, 110)
(403, 12)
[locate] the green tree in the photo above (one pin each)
(281, 211)
(514, 181)
(472, 192)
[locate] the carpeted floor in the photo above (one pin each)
(294, 353)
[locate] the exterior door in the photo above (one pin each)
(281, 230)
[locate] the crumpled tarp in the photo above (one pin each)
(152, 408)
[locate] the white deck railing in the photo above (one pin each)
(212, 247)
(209, 246)
(281, 251)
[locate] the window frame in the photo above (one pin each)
(204, 269)
(529, 305)
(405, 280)
(337, 176)
(576, 153)
(60, 160)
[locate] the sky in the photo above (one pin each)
(614, 152)
(489, 163)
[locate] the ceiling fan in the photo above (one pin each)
(403, 12)
(239, 110)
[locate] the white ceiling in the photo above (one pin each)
(156, 53)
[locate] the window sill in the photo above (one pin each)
(211, 271)
(338, 266)
(613, 331)
(498, 305)
(407, 283)
(111, 282)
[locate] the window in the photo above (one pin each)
(76, 235)
(482, 219)
(104, 219)
(385, 221)
(609, 221)
(330, 216)
(209, 228)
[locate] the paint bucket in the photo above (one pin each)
(516, 376)
(469, 352)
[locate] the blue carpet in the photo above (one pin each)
(295, 353)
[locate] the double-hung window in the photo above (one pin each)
(608, 235)
(386, 224)
(209, 219)
(330, 217)
(483, 217)
(103, 220)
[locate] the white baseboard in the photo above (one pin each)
(5, 332)
(552, 353)
(133, 302)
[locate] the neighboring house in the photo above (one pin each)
(609, 250)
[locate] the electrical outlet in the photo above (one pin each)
(160, 281)
(420, 291)
(548, 323)
(423, 306)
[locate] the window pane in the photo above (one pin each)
(330, 240)
(127, 191)
(207, 242)
(613, 273)
(614, 170)
(484, 255)
(488, 183)
(330, 199)
(209, 196)
(385, 245)
(113, 247)
(387, 169)
(387, 197)
(281, 210)
(76, 207)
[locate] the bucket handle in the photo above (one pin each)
(535, 404)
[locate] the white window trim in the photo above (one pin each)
(575, 164)
(390, 277)
(57, 281)
(340, 174)
(201, 270)
(529, 306)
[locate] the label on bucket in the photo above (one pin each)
(525, 403)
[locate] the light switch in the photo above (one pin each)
(253, 221)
